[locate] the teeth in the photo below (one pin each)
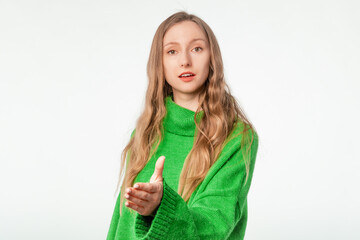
(186, 75)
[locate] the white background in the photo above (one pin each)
(72, 84)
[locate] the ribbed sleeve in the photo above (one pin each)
(157, 227)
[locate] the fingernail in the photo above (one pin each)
(128, 190)
(136, 186)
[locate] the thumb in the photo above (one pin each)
(159, 167)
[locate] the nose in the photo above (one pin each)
(185, 60)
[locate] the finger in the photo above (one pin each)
(144, 195)
(159, 166)
(137, 201)
(134, 206)
(148, 187)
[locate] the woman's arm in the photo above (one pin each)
(213, 212)
(116, 213)
(114, 219)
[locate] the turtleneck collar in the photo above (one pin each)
(180, 120)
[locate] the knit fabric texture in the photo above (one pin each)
(217, 209)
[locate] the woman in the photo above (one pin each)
(192, 120)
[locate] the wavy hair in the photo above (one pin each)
(221, 114)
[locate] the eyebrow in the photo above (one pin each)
(195, 39)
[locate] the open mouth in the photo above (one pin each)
(186, 75)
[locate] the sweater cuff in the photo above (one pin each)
(158, 226)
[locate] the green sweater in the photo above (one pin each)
(217, 209)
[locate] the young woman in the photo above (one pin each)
(192, 120)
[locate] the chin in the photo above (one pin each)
(188, 90)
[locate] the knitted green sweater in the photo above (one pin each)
(217, 209)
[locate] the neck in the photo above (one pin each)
(188, 101)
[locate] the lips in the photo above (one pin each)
(187, 74)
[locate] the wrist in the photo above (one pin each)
(154, 212)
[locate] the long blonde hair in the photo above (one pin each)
(221, 113)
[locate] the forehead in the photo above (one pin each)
(183, 32)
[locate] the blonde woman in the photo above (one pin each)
(190, 159)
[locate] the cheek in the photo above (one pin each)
(168, 71)
(167, 66)
(206, 65)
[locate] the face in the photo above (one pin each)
(186, 49)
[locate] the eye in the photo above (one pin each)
(171, 52)
(198, 49)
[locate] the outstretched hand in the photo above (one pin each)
(146, 197)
